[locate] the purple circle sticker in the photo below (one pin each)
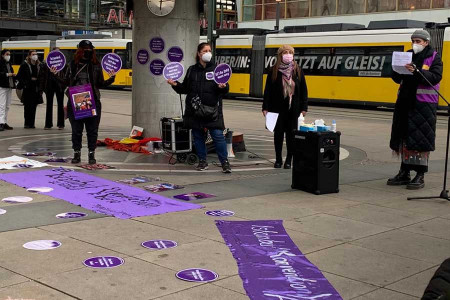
(56, 59)
(173, 70)
(143, 56)
(71, 215)
(42, 245)
(111, 62)
(2, 211)
(159, 244)
(175, 54)
(17, 199)
(157, 67)
(197, 275)
(222, 73)
(103, 262)
(157, 45)
(219, 213)
(40, 189)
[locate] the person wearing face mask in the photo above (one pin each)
(285, 93)
(7, 78)
(414, 121)
(200, 87)
(28, 81)
(85, 69)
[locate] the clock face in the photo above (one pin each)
(161, 7)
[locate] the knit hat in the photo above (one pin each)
(285, 47)
(421, 34)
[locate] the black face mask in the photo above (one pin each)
(87, 55)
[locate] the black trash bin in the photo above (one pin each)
(316, 162)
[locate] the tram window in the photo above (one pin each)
(123, 56)
(350, 51)
(317, 51)
(102, 52)
(40, 55)
(18, 56)
(69, 54)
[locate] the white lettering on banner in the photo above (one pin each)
(294, 297)
(234, 61)
(270, 61)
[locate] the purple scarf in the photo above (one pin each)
(288, 83)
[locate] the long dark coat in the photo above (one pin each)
(5, 68)
(274, 100)
(196, 83)
(30, 87)
(414, 122)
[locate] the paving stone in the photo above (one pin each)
(366, 265)
(135, 279)
(124, 236)
(378, 215)
(434, 207)
(333, 227)
(32, 291)
(414, 285)
(385, 294)
(205, 291)
(308, 243)
(362, 194)
(348, 288)
(438, 227)
(233, 283)
(8, 278)
(407, 244)
(206, 254)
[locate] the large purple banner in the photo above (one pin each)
(270, 264)
(98, 194)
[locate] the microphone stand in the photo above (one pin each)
(444, 192)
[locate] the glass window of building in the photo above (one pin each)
(297, 9)
(252, 10)
(441, 3)
(413, 4)
(270, 10)
(381, 5)
(347, 7)
(323, 7)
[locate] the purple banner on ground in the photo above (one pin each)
(56, 59)
(97, 194)
(270, 264)
(82, 100)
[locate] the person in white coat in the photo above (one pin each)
(6, 86)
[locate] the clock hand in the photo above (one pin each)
(160, 4)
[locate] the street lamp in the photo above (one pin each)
(277, 24)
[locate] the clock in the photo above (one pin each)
(161, 7)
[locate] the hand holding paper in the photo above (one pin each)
(399, 62)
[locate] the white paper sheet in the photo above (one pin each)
(399, 60)
(271, 120)
(15, 162)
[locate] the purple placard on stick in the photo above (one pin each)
(159, 244)
(173, 70)
(82, 100)
(56, 59)
(111, 62)
(197, 275)
(270, 264)
(97, 194)
(103, 262)
(157, 45)
(175, 54)
(142, 56)
(222, 73)
(157, 67)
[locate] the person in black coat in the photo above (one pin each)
(85, 69)
(201, 89)
(439, 286)
(51, 86)
(7, 77)
(414, 121)
(286, 93)
(28, 82)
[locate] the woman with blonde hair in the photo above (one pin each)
(286, 93)
(28, 82)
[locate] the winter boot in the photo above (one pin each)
(76, 157)
(401, 178)
(288, 162)
(92, 160)
(417, 183)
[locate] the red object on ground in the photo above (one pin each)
(137, 147)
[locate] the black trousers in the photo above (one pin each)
(283, 128)
(417, 168)
(49, 111)
(91, 125)
(29, 113)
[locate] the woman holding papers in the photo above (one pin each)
(414, 122)
(285, 94)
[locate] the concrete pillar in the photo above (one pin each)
(152, 97)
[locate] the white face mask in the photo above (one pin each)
(207, 57)
(417, 48)
(34, 57)
(7, 58)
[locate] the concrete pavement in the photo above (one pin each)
(368, 240)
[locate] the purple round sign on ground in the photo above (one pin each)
(220, 213)
(111, 62)
(56, 59)
(142, 56)
(159, 244)
(173, 70)
(157, 67)
(157, 45)
(175, 54)
(197, 275)
(222, 73)
(103, 262)
(42, 245)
